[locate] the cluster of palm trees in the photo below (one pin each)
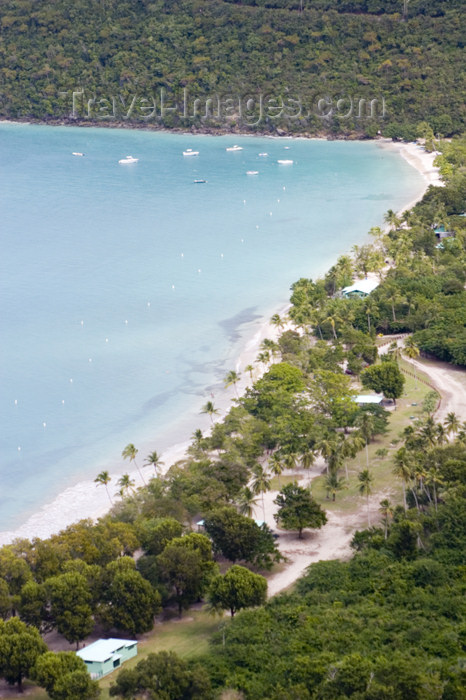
(125, 482)
(416, 465)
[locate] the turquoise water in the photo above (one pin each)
(127, 290)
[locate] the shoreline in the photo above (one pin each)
(86, 500)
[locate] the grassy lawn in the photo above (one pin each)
(349, 500)
(188, 637)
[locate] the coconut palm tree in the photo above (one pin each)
(247, 502)
(365, 488)
(402, 470)
(452, 423)
(232, 379)
(260, 483)
(277, 321)
(392, 219)
(104, 479)
(386, 509)
(250, 369)
(411, 350)
(130, 453)
(276, 466)
(366, 423)
(210, 409)
(334, 483)
(154, 459)
(126, 484)
(263, 358)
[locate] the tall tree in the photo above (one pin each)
(232, 379)
(260, 483)
(154, 460)
(20, 647)
(130, 452)
(366, 479)
(385, 378)
(126, 484)
(298, 510)
(70, 606)
(104, 479)
(411, 350)
(238, 588)
(210, 409)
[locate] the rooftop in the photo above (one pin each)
(365, 286)
(368, 398)
(103, 649)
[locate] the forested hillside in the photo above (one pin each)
(327, 51)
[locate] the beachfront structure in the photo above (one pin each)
(368, 400)
(105, 655)
(361, 288)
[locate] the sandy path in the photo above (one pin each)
(451, 384)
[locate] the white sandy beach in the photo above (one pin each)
(87, 500)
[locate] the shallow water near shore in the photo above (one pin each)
(128, 291)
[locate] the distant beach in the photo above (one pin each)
(86, 500)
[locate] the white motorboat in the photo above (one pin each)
(190, 152)
(76, 153)
(285, 162)
(234, 148)
(199, 181)
(252, 172)
(128, 159)
(262, 155)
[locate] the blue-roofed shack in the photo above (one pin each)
(361, 288)
(105, 655)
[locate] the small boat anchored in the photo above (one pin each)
(252, 172)
(128, 159)
(76, 153)
(190, 152)
(199, 182)
(263, 155)
(234, 148)
(285, 162)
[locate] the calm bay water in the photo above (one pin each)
(127, 290)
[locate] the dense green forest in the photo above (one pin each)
(304, 56)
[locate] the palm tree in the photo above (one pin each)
(260, 483)
(369, 308)
(365, 422)
(130, 453)
(277, 321)
(104, 478)
(412, 351)
(365, 488)
(270, 346)
(154, 459)
(276, 466)
(334, 483)
(307, 459)
(263, 357)
(433, 477)
(392, 219)
(247, 502)
(332, 319)
(125, 483)
(402, 469)
(210, 409)
(452, 423)
(386, 509)
(250, 369)
(232, 378)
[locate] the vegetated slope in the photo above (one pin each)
(123, 49)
